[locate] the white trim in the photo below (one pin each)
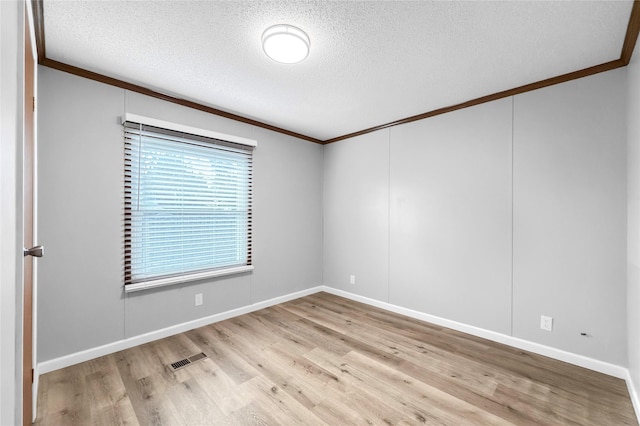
(32, 32)
(109, 348)
(129, 288)
(579, 360)
(34, 398)
(633, 394)
(187, 129)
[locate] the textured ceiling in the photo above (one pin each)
(370, 63)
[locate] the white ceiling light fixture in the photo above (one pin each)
(285, 43)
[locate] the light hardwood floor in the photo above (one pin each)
(325, 360)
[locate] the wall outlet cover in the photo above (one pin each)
(546, 323)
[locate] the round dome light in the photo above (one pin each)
(285, 43)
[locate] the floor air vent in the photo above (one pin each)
(187, 361)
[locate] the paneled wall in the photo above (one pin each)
(356, 215)
(570, 216)
(450, 245)
(495, 215)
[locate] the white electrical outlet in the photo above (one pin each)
(352, 279)
(546, 323)
(198, 299)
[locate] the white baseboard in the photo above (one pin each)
(580, 360)
(633, 394)
(86, 355)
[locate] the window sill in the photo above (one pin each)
(130, 288)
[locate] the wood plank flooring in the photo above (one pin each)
(325, 360)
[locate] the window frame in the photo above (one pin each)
(216, 139)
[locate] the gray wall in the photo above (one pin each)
(494, 215)
(633, 221)
(451, 216)
(570, 216)
(81, 300)
(356, 215)
(490, 216)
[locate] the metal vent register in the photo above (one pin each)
(187, 361)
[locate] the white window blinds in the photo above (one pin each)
(187, 206)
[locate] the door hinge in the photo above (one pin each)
(33, 374)
(34, 103)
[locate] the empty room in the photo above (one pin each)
(319, 212)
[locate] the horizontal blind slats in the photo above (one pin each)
(188, 203)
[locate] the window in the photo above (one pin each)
(187, 207)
